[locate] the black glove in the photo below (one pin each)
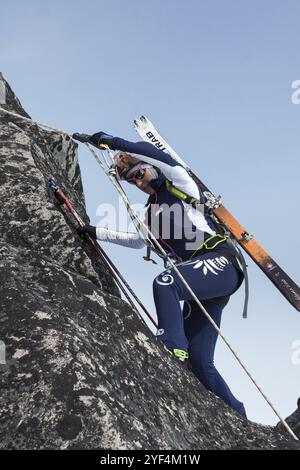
(100, 139)
(81, 137)
(87, 230)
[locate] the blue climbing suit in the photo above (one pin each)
(212, 276)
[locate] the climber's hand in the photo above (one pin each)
(101, 140)
(87, 230)
(81, 137)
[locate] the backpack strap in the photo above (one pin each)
(182, 195)
(235, 255)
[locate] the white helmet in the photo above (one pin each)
(135, 169)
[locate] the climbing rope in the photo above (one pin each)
(139, 223)
(149, 241)
(33, 122)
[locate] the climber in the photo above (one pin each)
(201, 254)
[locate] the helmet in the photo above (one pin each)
(132, 168)
(137, 172)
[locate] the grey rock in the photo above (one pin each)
(293, 421)
(81, 371)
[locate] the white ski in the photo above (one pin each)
(148, 133)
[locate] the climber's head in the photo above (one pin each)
(134, 171)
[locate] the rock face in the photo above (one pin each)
(78, 369)
(293, 421)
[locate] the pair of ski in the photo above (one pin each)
(288, 288)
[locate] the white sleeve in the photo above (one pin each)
(128, 239)
(176, 174)
(182, 180)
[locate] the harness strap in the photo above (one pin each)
(182, 195)
(148, 256)
(210, 243)
(213, 242)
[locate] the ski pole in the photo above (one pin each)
(110, 265)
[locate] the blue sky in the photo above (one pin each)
(215, 77)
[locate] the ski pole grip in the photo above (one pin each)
(56, 190)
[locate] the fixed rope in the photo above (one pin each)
(33, 122)
(140, 223)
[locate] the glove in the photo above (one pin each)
(81, 137)
(87, 230)
(100, 139)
